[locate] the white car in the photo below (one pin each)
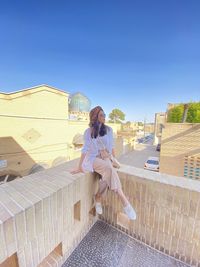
(152, 164)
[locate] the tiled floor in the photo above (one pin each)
(105, 246)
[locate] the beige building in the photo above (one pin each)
(180, 150)
(136, 126)
(160, 119)
(180, 146)
(149, 128)
(33, 129)
(36, 131)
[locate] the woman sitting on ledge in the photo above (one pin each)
(96, 152)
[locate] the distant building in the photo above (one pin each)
(160, 120)
(79, 107)
(149, 128)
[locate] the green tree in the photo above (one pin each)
(175, 114)
(116, 116)
(193, 115)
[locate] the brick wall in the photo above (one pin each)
(192, 167)
(43, 217)
(178, 140)
(168, 212)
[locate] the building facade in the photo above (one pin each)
(160, 119)
(180, 150)
(36, 132)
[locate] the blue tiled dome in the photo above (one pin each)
(79, 102)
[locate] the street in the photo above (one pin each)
(138, 156)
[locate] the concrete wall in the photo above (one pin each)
(178, 140)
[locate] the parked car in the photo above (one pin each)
(158, 147)
(152, 164)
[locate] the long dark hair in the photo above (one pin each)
(94, 123)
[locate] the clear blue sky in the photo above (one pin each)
(132, 55)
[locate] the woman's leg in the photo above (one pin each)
(122, 197)
(102, 191)
(101, 166)
(110, 179)
(110, 176)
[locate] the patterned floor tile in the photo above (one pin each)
(105, 246)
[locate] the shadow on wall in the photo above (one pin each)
(183, 143)
(183, 133)
(177, 146)
(15, 162)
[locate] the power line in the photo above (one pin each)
(27, 117)
(29, 151)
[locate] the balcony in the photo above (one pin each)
(107, 246)
(48, 219)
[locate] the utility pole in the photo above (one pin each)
(144, 125)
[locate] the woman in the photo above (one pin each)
(96, 151)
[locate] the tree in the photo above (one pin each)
(116, 116)
(193, 115)
(175, 114)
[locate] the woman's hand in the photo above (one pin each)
(104, 154)
(113, 152)
(78, 170)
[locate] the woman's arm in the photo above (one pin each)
(83, 152)
(81, 160)
(79, 169)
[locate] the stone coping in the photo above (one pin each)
(182, 182)
(20, 194)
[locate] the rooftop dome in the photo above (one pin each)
(80, 103)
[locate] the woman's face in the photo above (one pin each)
(101, 116)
